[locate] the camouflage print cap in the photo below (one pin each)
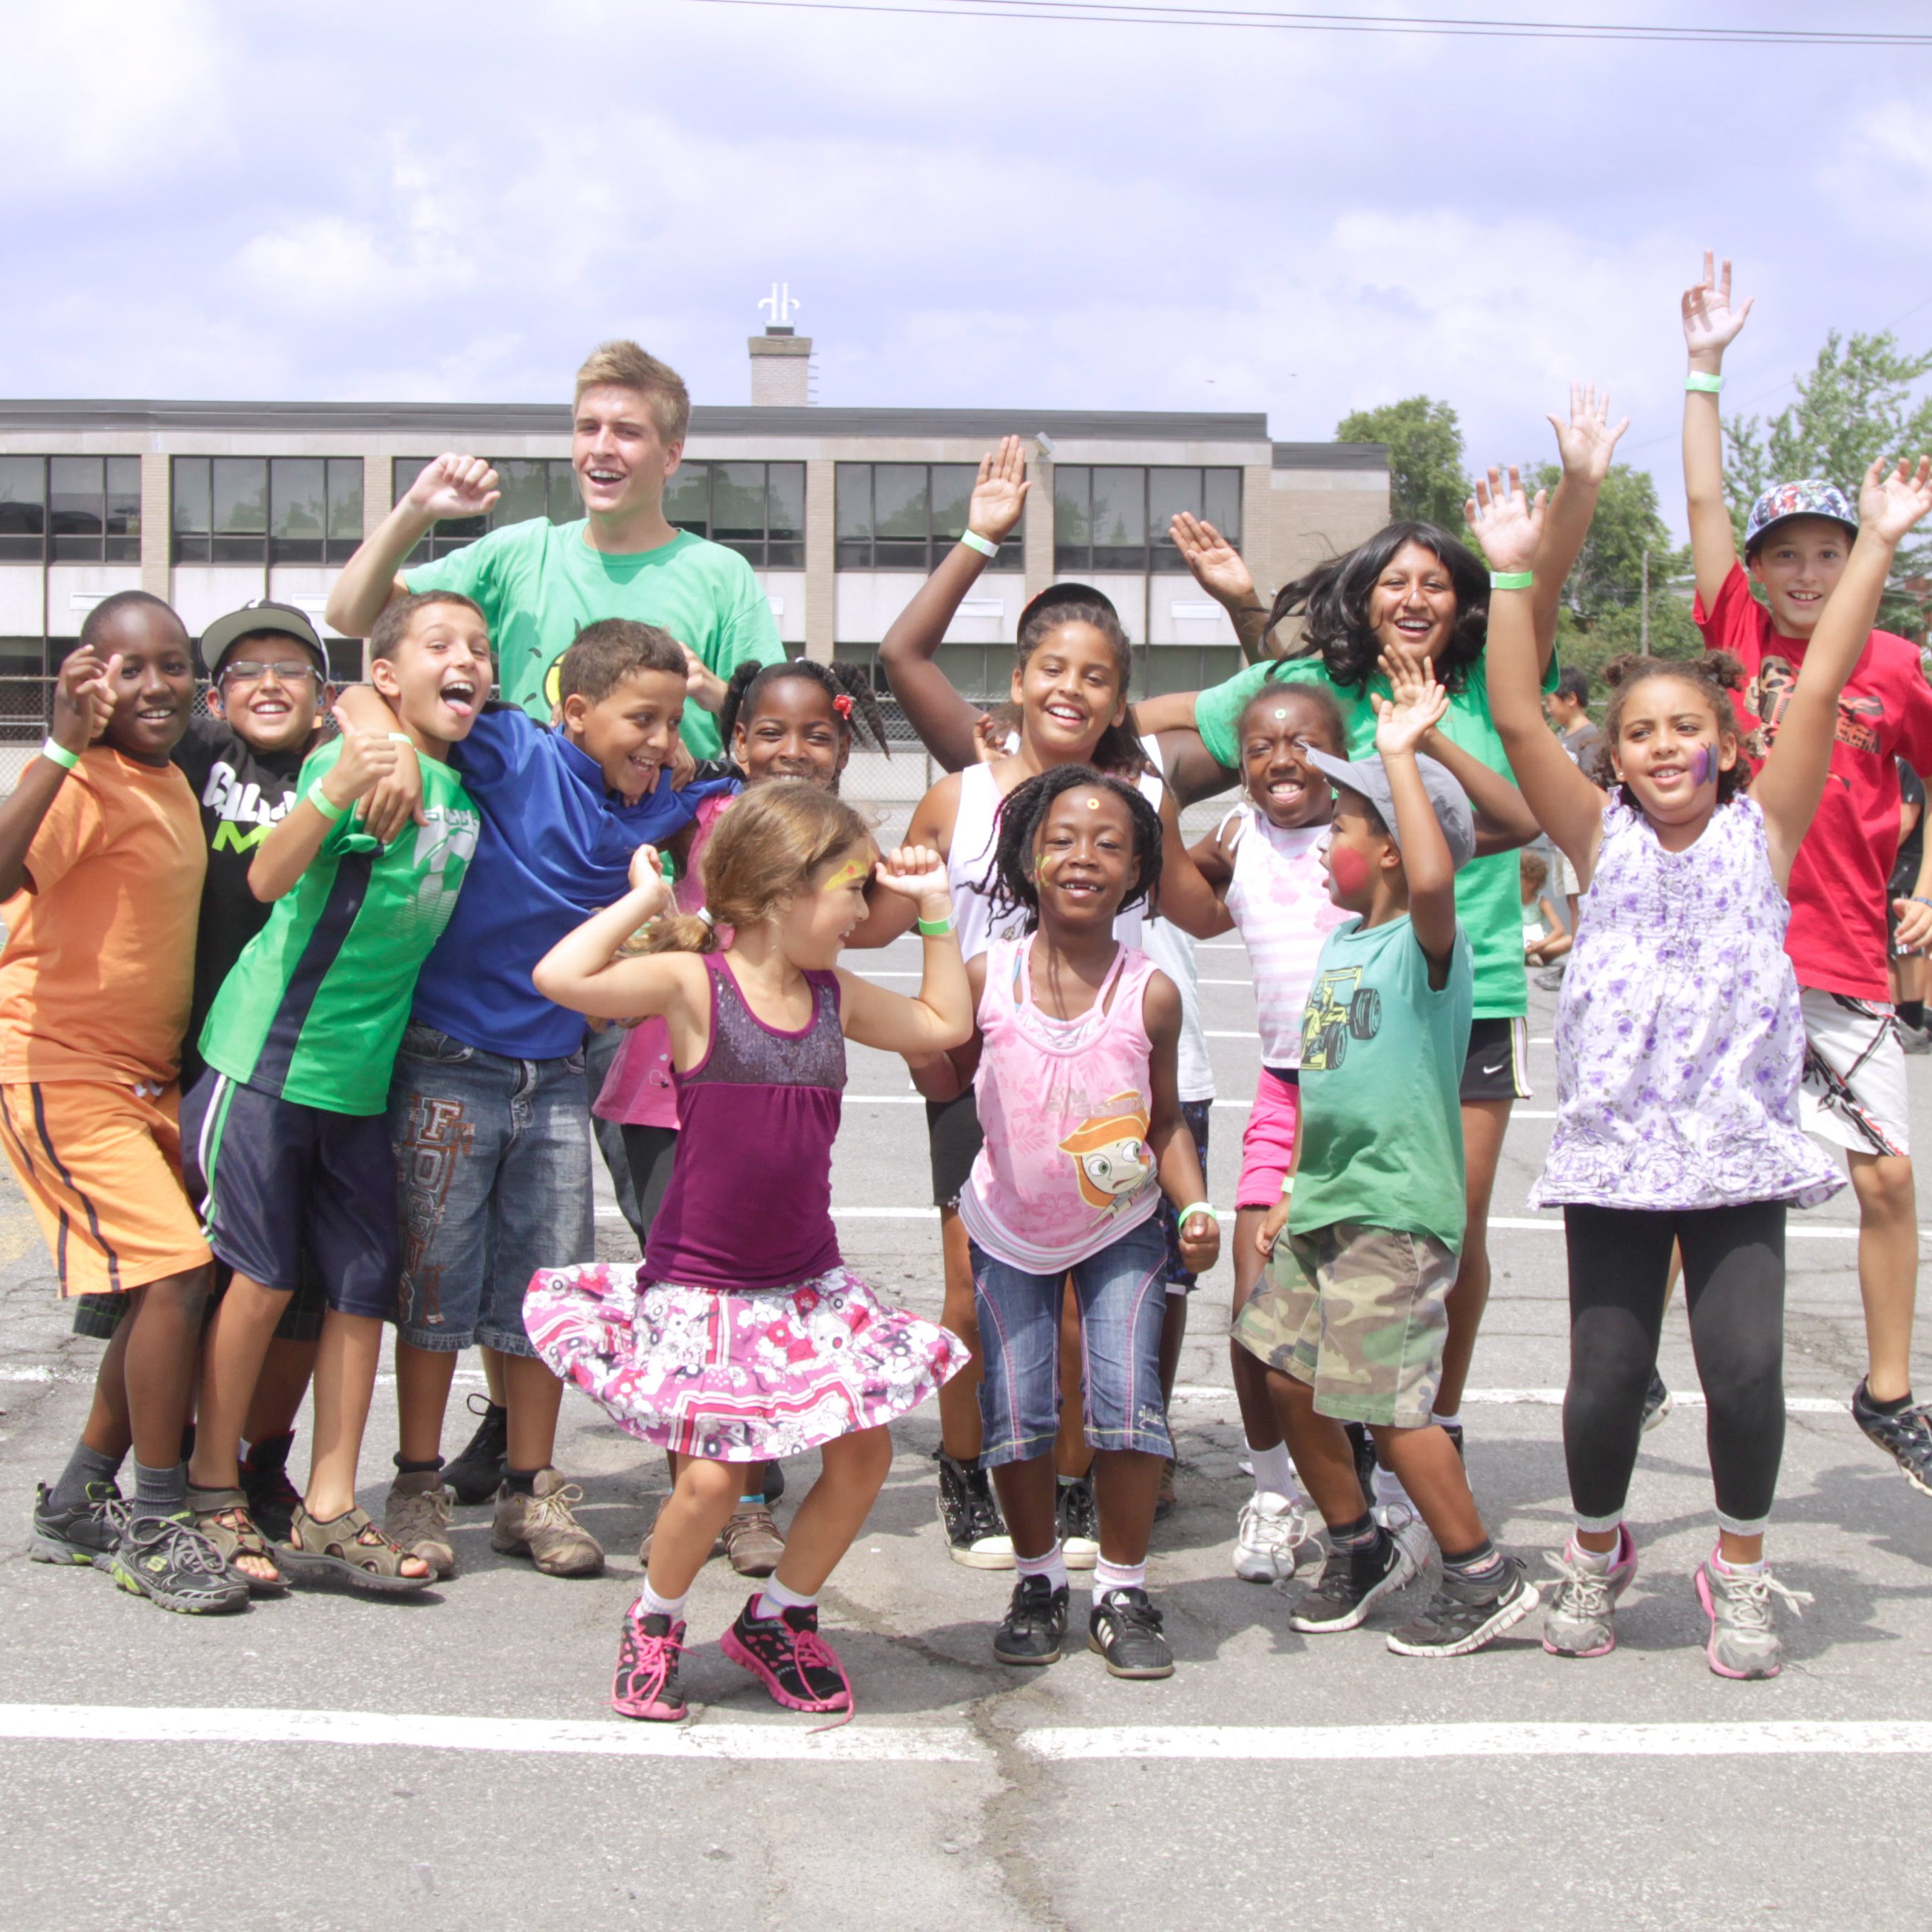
(1811, 498)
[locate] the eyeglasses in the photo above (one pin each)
(247, 671)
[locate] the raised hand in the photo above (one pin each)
(1000, 493)
(647, 876)
(702, 685)
(1890, 501)
(83, 698)
(1507, 523)
(367, 758)
(1218, 567)
(1585, 441)
(992, 739)
(1711, 320)
(918, 873)
(455, 486)
(1417, 708)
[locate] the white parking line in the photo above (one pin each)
(1551, 1398)
(886, 1743)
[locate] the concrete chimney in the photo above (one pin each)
(780, 366)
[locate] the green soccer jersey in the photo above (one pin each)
(315, 1007)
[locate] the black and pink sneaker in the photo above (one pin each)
(646, 1684)
(786, 1654)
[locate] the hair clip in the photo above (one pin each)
(842, 704)
(704, 913)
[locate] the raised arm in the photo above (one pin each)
(941, 717)
(1792, 780)
(1187, 899)
(1584, 443)
(938, 1016)
(1504, 820)
(1426, 862)
(1711, 326)
(1221, 571)
(395, 800)
(290, 847)
(83, 701)
(451, 486)
(1567, 805)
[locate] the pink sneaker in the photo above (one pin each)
(786, 1654)
(1582, 1620)
(646, 1684)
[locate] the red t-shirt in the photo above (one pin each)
(1838, 891)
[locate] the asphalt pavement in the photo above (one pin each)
(326, 1761)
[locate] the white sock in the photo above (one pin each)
(1729, 1569)
(1274, 1471)
(1597, 1561)
(655, 1605)
(1052, 1566)
(1442, 1421)
(775, 1598)
(1109, 1577)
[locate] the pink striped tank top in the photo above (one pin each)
(1065, 1169)
(1279, 900)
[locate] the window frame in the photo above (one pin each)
(780, 549)
(192, 492)
(117, 502)
(1153, 556)
(863, 553)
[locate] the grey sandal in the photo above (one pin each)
(222, 1517)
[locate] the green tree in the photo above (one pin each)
(1857, 403)
(1426, 478)
(1603, 614)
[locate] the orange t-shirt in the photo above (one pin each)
(98, 974)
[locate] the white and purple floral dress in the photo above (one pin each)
(1679, 1048)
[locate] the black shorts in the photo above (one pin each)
(1497, 1066)
(953, 1140)
(98, 1316)
(1197, 1114)
(273, 1180)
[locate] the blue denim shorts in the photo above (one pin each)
(1122, 1296)
(493, 1176)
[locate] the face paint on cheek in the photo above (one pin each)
(1703, 764)
(1349, 869)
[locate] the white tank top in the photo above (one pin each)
(1279, 899)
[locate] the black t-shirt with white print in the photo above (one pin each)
(242, 792)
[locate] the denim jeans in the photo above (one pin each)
(1122, 1296)
(492, 1174)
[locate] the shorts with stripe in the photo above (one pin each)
(274, 1179)
(1497, 1065)
(101, 1167)
(1854, 1093)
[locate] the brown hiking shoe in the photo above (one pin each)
(542, 1527)
(751, 1541)
(416, 1517)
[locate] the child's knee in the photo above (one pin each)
(713, 1485)
(866, 1454)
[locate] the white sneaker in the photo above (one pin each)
(1270, 1536)
(1409, 1531)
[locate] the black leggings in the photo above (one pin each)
(1734, 1288)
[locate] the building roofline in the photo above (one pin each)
(1331, 456)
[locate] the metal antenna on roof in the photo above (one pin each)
(780, 304)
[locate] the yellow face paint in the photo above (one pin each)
(854, 871)
(1093, 804)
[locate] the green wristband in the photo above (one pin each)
(58, 753)
(1186, 1214)
(323, 803)
(935, 928)
(1709, 384)
(973, 540)
(1511, 580)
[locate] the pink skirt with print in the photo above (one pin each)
(737, 1377)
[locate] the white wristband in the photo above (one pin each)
(973, 540)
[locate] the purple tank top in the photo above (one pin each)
(749, 1205)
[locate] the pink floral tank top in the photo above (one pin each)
(1065, 1169)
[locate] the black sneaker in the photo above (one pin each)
(271, 1497)
(86, 1533)
(969, 1513)
(1125, 1628)
(1079, 1520)
(1036, 1622)
(1363, 1445)
(1463, 1615)
(1656, 1402)
(1906, 1437)
(477, 1473)
(786, 1654)
(167, 1560)
(1353, 1581)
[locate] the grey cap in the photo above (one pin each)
(253, 618)
(1451, 804)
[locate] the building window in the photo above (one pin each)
(1115, 516)
(531, 487)
(756, 508)
(906, 516)
(261, 510)
(69, 509)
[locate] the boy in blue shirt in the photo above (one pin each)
(486, 1110)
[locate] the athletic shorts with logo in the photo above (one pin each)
(275, 1180)
(1360, 1314)
(101, 1167)
(1497, 1065)
(1854, 1093)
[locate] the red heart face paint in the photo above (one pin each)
(1349, 869)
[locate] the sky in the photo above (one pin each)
(403, 203)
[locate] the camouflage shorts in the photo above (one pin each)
(1360, 1314)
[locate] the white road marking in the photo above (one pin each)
(885, 1744)
(1549, 1398)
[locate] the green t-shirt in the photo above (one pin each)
(538, 583)
(1489, 891)
(315, 1007)
(1381, 1077)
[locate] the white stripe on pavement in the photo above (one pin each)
(884, 1744)
(1551, 1398)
